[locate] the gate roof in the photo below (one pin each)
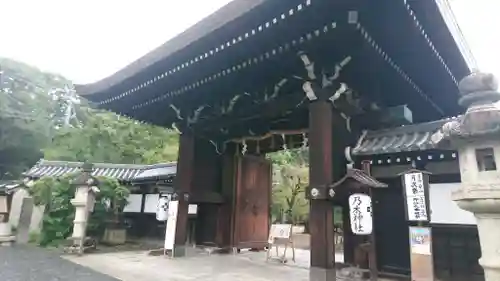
(239, 66)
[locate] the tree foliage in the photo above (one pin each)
(56, 194)
(109, 138)
(24, 116)
(290, 180)
(32, 118)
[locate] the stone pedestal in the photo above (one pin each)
(114, 236)
(487, 213)
(6, 237)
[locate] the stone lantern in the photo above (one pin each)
(476, 137)
(86, 188)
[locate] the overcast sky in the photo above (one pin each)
(86, 40)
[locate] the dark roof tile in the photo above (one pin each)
(407, 138)
(361, 177)
(123, 172)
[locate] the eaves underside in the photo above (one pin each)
(228, 15)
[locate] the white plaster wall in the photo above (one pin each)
(443, 209)
(15, 211)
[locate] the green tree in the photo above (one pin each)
(24, 116)
(107, 137)
(56, 194)
(290, 180)
(33, 115)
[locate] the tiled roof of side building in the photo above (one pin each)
(123, 172)
(415, 137)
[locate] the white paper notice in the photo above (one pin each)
(279, 231)
(134, 204)
(415, 197)
(173, 207)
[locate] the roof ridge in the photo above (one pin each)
(413, 125)
(58, 163)
(407, 138)
(44, 162)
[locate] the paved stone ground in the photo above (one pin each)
(247, 266)
(25, 263)
(138, 266)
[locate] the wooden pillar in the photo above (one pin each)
(321, 175)
(182, 186)
(348, 235)
(372, 254)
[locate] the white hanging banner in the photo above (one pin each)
(415, 197)
(162, 209)
(360, 211)
(173, 208)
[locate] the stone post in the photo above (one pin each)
(476, 136)
(6, 237)
(84, 204)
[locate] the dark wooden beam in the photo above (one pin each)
(260, 126)
(269, 110)
(320, 174)
(372, 251)
(209, 197)
(182, 185)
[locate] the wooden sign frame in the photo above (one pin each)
(280, 239)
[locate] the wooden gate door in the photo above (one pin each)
(252, 199)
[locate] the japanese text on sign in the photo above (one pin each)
(360, 210)
(415, 197)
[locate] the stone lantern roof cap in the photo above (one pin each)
(85, 176)
(479, 93)
(478, 87)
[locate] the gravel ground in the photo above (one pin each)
(25, 263)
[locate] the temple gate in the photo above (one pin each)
(264, 75)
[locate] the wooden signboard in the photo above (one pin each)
(422, 266)
(280, 235)
(416, 188)
(416, 193)
(173, 208)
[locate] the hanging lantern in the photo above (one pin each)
(305, 141)
(284, 142)
(162, 209)
(360, 211)
(244, 147)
